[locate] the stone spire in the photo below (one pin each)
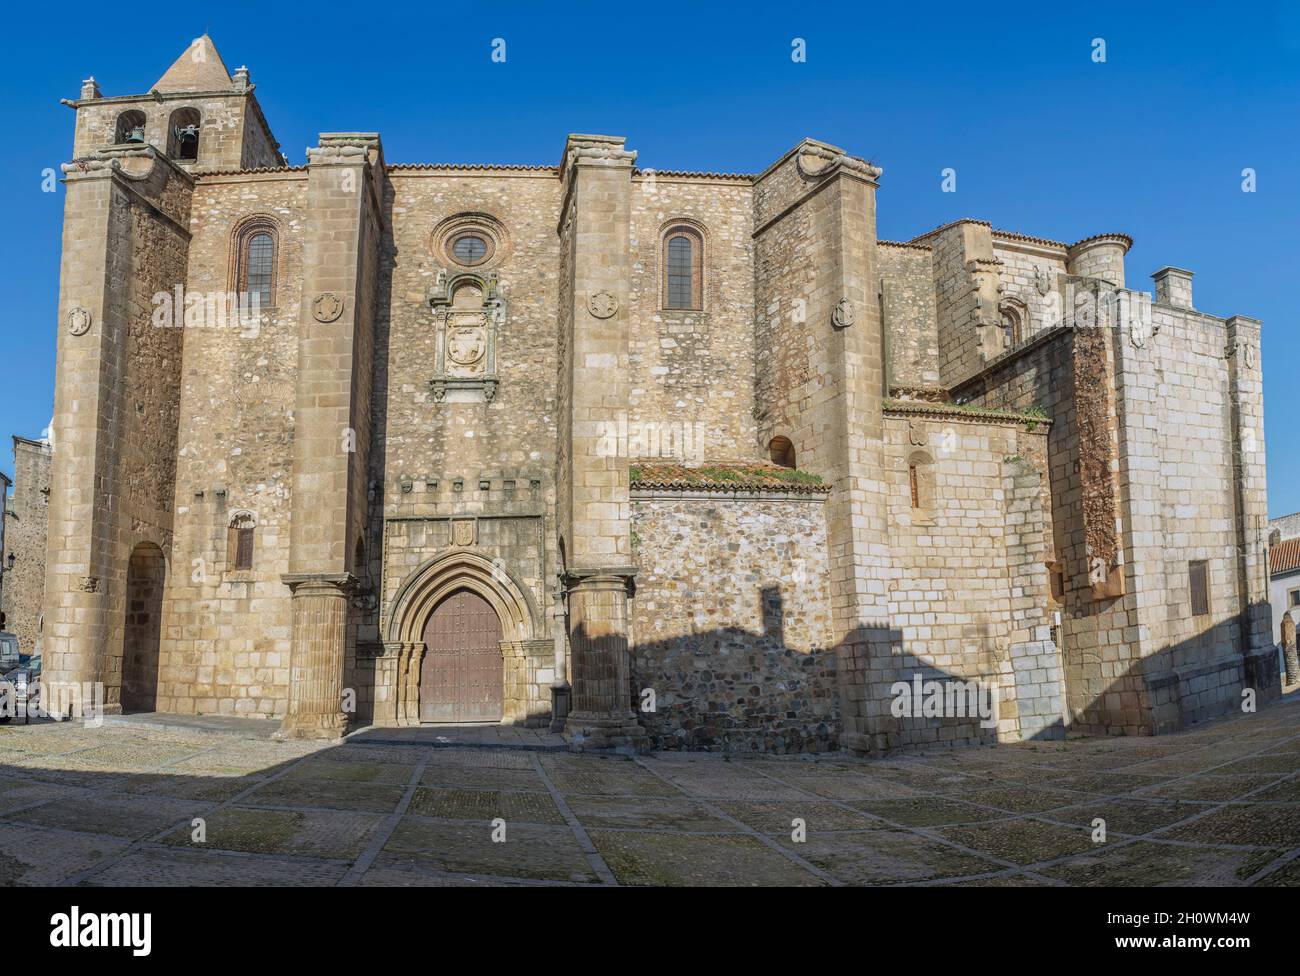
(198, 69)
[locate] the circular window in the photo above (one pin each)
(470, 240)
(469, 249)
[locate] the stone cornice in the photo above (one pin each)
(972, 415)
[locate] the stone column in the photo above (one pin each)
(320, 620)
(602, 715)
(593, 479)
(331, 436)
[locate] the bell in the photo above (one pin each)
(136, 134)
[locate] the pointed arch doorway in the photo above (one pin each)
(462, 676)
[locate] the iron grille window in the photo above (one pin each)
(469, 249)
(259, 265)
(1199, 578)
(681, 272)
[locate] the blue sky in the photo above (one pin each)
(1044, 140)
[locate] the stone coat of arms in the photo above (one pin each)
(465, 346)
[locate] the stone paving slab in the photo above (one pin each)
(115, 805)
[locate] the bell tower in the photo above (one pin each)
(197, 114)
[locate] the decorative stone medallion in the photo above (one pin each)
(89, 584)
(915, 434)
(1250, 355)
(1042, 279)
(462, 532)
(327, 307)
(844, 314)
(79, 321)
(465, 346)
(602, 305)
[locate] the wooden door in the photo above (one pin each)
(462, 673)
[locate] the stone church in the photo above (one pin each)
(663, 459)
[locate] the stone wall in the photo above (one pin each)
(731, 622)
(24, 536)
(969, 593)
(226, 637)
(691, 396)
(907, 306)
(1153, 469)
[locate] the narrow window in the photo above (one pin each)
(1012, 326)
(1293, 598)
(683, 262)
(920, 487)
(256, 250)
(1057, 576)
(1198, 576)
(239, 542)
(259, 268)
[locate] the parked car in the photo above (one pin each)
(9, 656)
(24, 681)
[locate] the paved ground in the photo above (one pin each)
(116, 805)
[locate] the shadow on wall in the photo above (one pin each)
(1195, 679)
(730, 689)
(735, 690)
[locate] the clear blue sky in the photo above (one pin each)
(1044, 140)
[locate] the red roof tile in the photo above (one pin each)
(1285, 556)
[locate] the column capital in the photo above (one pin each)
(319, 583)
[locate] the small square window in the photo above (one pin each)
(1293, 598)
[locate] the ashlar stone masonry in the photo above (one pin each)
(654, 458)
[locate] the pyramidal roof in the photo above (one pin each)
(199, 68)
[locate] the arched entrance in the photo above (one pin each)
(145, 575)
(462, 674)
(444, 617)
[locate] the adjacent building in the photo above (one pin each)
(24, 545)
(1284, 570)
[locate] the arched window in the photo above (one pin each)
(239, 541)
(130, 127)
(256, 257)
(683, 264)
(183, 135)
(781, 451)
(1014, 318)
(359, 559)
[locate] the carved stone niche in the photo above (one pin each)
(468, 311)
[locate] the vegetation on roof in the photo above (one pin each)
(722, 475)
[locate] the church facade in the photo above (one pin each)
(653, 458)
